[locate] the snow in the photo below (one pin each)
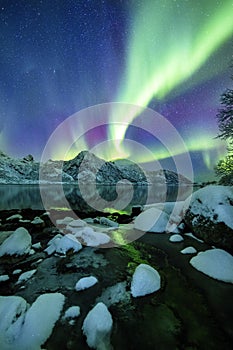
(61, 244)
(25, 276)
(26, 329)
(189, 250)
(216, 263)
(114, 294)
(13, 217)
(72, 312)
(97, 327)
(189, 234)
(152, 220)
(4, 278)
(176, 238)
(37, 221)
(85, 282)
(18, 243)
(146, 280)
(215, 203)
(16, 272)
(90, 237)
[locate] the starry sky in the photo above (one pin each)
(59, 57)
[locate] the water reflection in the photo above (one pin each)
(28, 196)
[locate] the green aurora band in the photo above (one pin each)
(168, 43)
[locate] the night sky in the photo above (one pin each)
(59, 57)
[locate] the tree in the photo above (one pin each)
(224, 167)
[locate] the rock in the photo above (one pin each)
(210, 216)
(18, 243)
(152, 220)
(216, 263)
(176, 238)
(146, 280)
(85, 282)
(97, 327)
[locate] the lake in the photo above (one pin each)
(88, 198)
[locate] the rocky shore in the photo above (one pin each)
(152, 289)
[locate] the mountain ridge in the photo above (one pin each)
(86, 167)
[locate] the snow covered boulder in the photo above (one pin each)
(97, 327)
(152, 220)
(210, 216)
(146, 280)
(22, 328)
(216, 263)
(18, 243)
(176, 238)
(85, 282)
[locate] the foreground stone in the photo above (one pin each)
(210, 216)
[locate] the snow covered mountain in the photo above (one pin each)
(85, 167)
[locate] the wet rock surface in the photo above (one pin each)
(189, 311)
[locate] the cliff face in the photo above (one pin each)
(85, 167)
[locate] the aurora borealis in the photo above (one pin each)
(58, 57)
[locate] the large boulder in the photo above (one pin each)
(210, 216)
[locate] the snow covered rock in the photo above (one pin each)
(25, 276)
(64, 221)
(210, 216)
(152, 220)
(91, 238)
(68, 242)
(37, 221)
(108, 222)
(71, 312)
(24, 329)
(146, 280)
(62, 244)
(216, 263)
(97, 327)
(4, 278)
(77, 223)
(176, 238)
(85, 282)
(188, 250)
(18, 243)
(14, 217)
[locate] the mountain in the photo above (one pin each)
(85, 168)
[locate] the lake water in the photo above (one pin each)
(88, 198)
